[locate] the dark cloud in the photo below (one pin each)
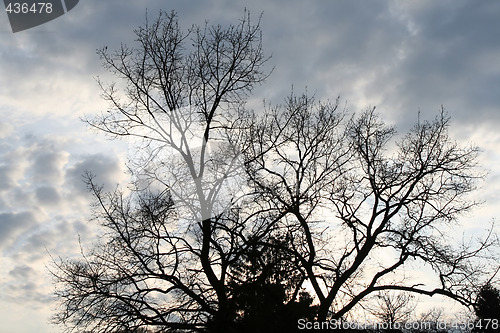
(13, 225)
(32, 161)
(449, 59)
(11, 166)
(59, 237)
(48, 162)
(47, 195)
(401, 55)
(25, 287)
(106, 169)
(21, 272)
(6, 181)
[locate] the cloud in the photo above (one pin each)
(29, 161)
(25, 286)
(6, 129)
(47, 163)
(400, 56)
(21, 272)
(47, 195)
(60, 238)
(12, 166)
(106, 169)
(41, 201)
(446, 59)
(6, 181)
(14, 225)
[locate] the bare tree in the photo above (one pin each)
(432, 320)
(391, 307)
(320, 199)
(361, 206)
(162, 267)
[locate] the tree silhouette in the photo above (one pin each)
(267, 293)
(487, 309)
(246, 222)
(355, 198)
(162, 267)
(393, 307)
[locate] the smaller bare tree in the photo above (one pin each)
(431, 320)
(393, 307)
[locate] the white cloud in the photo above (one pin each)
(6, 129)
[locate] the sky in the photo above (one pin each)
(406, 57)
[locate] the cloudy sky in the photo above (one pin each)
(402, 56)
